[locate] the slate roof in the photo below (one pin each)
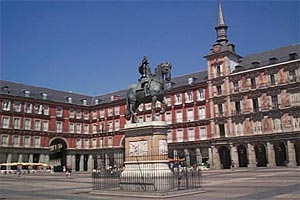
(17, 89)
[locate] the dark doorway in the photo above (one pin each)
(242, 153)
(260, 154)
(225, 160)
(297, 152)
(77, 162)
(280, 154)
(58, 154)
(85, 163)
(193, 157)
(222, 130)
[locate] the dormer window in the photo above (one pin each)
(169, 85)
(69, 99)
(44, 96)
(191, 80)
(27, 93)
(255, 64)
(293, 56)
(5, 90)
(84, 102)
(272, 60)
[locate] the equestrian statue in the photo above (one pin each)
(149, 89)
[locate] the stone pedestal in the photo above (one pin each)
(146, 158)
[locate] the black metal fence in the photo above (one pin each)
(144, 173)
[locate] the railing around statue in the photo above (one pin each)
(148, 176)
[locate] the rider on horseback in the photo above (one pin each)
(145, 71)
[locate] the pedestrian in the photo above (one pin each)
(68, 172)
(232, 165)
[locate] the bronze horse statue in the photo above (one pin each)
(136, 95)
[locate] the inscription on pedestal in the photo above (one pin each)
(138, 148)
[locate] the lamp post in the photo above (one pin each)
(102, 148)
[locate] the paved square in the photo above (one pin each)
(260, 183)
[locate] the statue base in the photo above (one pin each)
(146, 158)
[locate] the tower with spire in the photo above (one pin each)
(221, 61)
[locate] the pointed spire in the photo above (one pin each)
(221, 27)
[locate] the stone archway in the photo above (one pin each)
(58, 154)
(280, 154)
(243, 158)
(225, 159)
(297, 152)
(260, 154)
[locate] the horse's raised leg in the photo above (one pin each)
(164, 105)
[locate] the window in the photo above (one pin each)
(86, 115)
(190, 114)
(200, 94)
(253, 83)
(86, 143)
(202, 113)
(95, 114)
(237, 107)
(179, 135)
(4, 140)
(203, 134)
(78, 143)
(94, 143)
(71, 127)
(86, 128)
(78, 114)
(148, 118)
(110, 112)
(117, 110)
(59, 112)
(110, 126)
(222, 130)
(38, 109)
(71, 113)
(59, 127)
(219, 90)
(45, 125)
(46, 110)
(191, 134)
(255, 105)
(218, 71)
(220, 108)
(28, 108)
(274, 102)
(5, 122)
(189, 96)
(168, 100)
(84, 102)
(110, 142)
(17, 106)
(178, 99)
(26, 93)
(178, 116)
(292, 76)
(272, 77)
(236, 86)
(78, 128)
(26, 141)
(27, 124)
(69, 99)
(44, 96)
(148, 106)
(16, 140)
(17, 124)
(169, 136)
(117, 125)
(101, 113)
(37, 125)
(168, 117)
(95, 126)
(37, 141)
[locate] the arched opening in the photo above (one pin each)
(260, 154)
(297, 152)
(58, 154)
(280, 154)
(225, 160)
(242, 153)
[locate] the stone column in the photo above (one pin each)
(81, 163)
(69, 161)
(90, 163)
(8, 160)
(234, 155)
(291, 154)
(47, 159)
(271, 155)
(73, 162)
(198, 156)
(251, 156)
(30, 158)
(20, 158)
(42, 158)
(215, 159)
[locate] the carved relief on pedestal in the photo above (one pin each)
(138, 148)
(163, 147)
(285, 102)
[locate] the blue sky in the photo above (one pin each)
(95, 47)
